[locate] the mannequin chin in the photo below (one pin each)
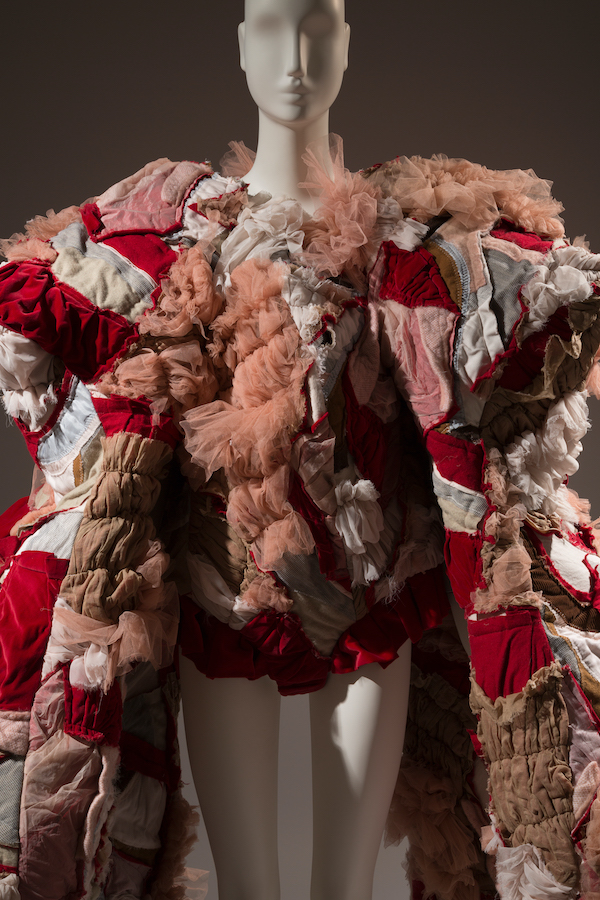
(294, 55)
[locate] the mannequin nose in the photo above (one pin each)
(297, 62)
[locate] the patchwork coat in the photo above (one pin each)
(285, 429)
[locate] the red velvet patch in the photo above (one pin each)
(315, 520)
(91, 217)
(274, 643)
(462, 552)
(507, 649)
(528, 362)
(119, 414)
(286, 652)
(27, 599)
(146, 251)
(138, 755)
(93, 715)
(366, 436)
(508, 231)
(413, 278)
(457, 460)
(12, 515)
(61, 320)
(455, 672)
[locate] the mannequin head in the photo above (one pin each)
(294, 54)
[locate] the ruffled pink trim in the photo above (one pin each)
(247, 443)
(340, 236)
(259, 510)
(254, 312)
(249, 433)
(473, 194)
(506, 563)
(33, 242)
(188, 298)
(264, 593)
(180, 377)
(146, 634)
(238, 160)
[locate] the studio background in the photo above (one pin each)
(91, 92)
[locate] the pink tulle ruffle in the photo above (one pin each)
(339, 237)
(101, 652)
(259, 510)
(33, 243)
(180, 377)
(238, 160)
(249, 433)
(473, 194)
(188, 298)
(264, 593)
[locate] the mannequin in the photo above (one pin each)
(364, 383)
(294, 53)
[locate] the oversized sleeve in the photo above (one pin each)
(492, 335)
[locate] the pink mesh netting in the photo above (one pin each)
(339, 237)
(475, 195)
(238, 160)
(188, 298)
(32, 243)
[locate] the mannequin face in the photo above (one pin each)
(294, 54)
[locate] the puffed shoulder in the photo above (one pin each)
(475, 196)
(151, 200)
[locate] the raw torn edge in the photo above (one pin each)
(33, 242)
(96, 818)
(181, 823)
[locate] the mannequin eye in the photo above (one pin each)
(317, 25)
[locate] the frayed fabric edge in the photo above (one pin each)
(522, 875)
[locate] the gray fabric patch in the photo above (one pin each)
(302, 573)
(74, 420)
(11, 784)
(145, 717)
(507, 277)
(471, 502)
(563, 653)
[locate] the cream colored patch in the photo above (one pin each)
(457, 519)
(99, 282)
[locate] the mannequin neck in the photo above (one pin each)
(278, 167)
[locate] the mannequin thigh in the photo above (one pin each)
(232, 729)
(357, 724)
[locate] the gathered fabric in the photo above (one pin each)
(282, 442)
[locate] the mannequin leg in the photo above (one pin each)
(232, 728)
(357, 724)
